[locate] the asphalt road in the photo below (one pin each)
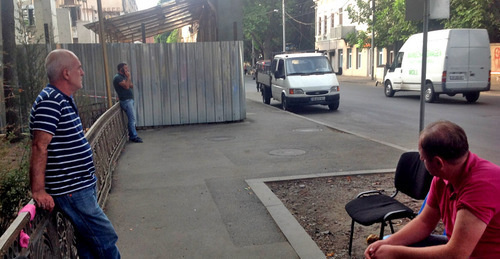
(365, 111)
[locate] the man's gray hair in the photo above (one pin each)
(56, 61)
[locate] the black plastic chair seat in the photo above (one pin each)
(411, 178)
(372, 209)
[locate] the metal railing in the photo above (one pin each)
(51, 234)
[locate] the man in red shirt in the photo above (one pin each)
(464, 194)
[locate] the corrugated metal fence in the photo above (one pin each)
(174, 84)
(180, 83)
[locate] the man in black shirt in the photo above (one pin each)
(123, 87)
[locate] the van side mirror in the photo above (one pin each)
(387, 65)
(278, 75)
(339, 73)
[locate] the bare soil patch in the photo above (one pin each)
(318, 205)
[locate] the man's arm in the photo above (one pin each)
(467, 231)
(413, 232)
(127, 83)
(38, 162)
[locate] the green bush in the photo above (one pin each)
(14, 179)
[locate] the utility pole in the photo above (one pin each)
(253, 54)
(372, 47)
(424, 66)
(283, 14)
(102, 40)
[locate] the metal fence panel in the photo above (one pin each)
(209, 82)
(164, 75)
(180, 83)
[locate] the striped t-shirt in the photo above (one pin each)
(70, 166)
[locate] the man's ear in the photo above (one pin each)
(65, 74)
(439, 163)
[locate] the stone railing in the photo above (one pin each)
(51, 235)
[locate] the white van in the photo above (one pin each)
(301, 79)
(458, 61)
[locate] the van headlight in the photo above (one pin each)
(334, 89)
(296, 91)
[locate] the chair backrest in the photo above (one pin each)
(412, 178)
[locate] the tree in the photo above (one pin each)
(475, 14)
(168, 37)
(392, 28)
(262, 24)
(9, 58)
(390, 24)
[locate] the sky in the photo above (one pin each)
(145, 4)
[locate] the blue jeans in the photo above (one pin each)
(128, 107)
(96, 237)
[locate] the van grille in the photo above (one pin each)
(316, 92)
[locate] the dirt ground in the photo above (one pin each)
(318, 205)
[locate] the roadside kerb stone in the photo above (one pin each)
(296, 235)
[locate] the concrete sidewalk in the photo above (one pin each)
(183, 193)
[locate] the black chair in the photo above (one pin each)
(371, 207)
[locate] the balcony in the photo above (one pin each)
(340, 32)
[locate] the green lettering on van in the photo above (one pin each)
(414, 55)
(434, 53)
(413, 72)
(430, 54)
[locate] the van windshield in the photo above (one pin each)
(308, 65)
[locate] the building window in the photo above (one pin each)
(349, 58)
(391, 56)
(326, 24)
(340, 16)
(380, 57)
(341, 57)
(75, 15)
(31, 16)
(319, 26)
(358, 58)
(333, 20)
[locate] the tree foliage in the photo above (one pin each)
(476, 14)
(391, 27)
(390, 24)
(262, 24)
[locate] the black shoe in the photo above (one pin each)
(136, 140)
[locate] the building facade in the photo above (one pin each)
(332, 26)
(61, 21)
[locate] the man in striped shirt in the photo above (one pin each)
(61, 166)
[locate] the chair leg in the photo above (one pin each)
(350, 237)
(392, 227)
(381, 236)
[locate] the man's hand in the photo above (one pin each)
(43, 200)
(374, 248)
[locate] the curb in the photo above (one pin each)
(296, 235)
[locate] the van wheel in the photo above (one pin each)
(266, 97)
(284, 103)
(472, 97)
(429, 96)
(388, 89)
